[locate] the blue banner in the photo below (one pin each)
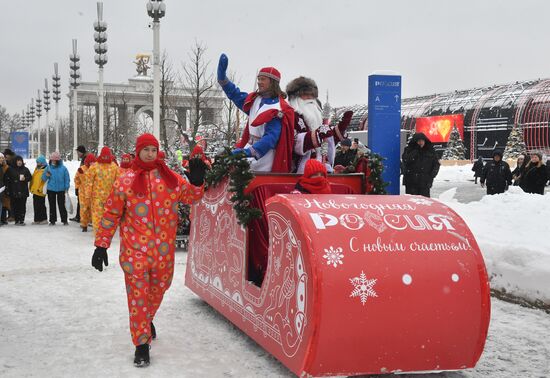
(20, 143)
(384, 125)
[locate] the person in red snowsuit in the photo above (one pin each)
(144, 201)
(314, 180)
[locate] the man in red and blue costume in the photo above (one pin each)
(268, 137)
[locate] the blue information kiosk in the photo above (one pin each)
(384, 125)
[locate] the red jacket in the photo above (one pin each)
(146, 221)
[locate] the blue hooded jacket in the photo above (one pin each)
(59, 181)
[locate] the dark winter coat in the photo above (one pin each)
(18, 188)
(345, 158)
(1, 182)
(518, 173)
(534, 179)
(419, 165)
(478, 167)
(497, 175)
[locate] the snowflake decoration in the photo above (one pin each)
(421, 201)
(363, 287)
(334, 256)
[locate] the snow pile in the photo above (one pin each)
(455, 173)
(512, 232)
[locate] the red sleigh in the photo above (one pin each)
(354, 284)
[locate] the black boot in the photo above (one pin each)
(153, 331)
(141, 357)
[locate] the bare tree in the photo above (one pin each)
(88, 129)
(167, 79)
(199, 81)
(66, 137)
(125, 136)
(8, 124)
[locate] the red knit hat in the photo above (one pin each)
(90, 158)
(128, 163)
(145, 140)
(161, 155)
(270, 72)
(314, 166)
(105, 156)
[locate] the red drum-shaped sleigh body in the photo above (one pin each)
(354, 284)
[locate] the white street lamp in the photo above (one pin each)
(75, 82)
(100, 47)
(38, 116)
(25, 125)
(156, 10)
(47, 110)
(56, 97)
(30, 115)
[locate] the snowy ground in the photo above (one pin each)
(512, 230)
(60, 317)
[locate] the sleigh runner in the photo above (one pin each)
(353, 284)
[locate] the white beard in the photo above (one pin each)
(310, 110)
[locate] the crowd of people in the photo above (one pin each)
(530, 174)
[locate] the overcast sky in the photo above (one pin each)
(436, 45)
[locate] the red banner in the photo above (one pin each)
(438, 128)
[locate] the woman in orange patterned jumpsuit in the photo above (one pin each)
(80, 183)
(144, 201)
(99, 183)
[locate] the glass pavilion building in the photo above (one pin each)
(489, 114)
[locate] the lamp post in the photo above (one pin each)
(47, 110)
(38, 116)
(31, 127)
(100, 47)
(56, 92)
(75, 82)
(24, 125)
(156, 10)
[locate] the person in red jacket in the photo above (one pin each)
(144, 201)
(314, 180)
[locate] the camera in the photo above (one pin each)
(356, 140)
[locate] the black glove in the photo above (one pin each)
(100, 257)
(197, 171)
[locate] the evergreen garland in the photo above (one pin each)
(238, 169)
(376, 168)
